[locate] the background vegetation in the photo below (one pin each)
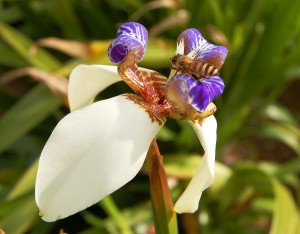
(257, 176)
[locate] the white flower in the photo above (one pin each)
(99, 147)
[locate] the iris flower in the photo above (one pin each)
(101, 146)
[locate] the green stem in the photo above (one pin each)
(112, 210)
(165, 219)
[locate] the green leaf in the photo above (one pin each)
(28, 112)
(112, 210)
(25, 184)
(245, 176)
(63, 12)
(288, 134)
(18, 215)
(10, 14)
(22, 45)
(10, 58)
(158, 53)
(280, 114)
(184, 166)
(286, 217)
(256, 69)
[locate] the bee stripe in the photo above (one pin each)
(207, 69)
(210, 70)
(203, 70)
(198, 67)
(215, 71)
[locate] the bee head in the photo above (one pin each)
(174, 58)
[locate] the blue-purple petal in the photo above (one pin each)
(211, 54)
(199, 49)
(120, 47)
(197, 93)
(136, 30)
(192, 39)
(130, 36)
(204, 91)
(178, 89)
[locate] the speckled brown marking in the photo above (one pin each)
(150, 87)
(154, 115)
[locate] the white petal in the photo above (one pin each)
(86, 81)
(91, 153)
(188, 202)
(180, 47)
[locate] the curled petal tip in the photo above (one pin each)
(130, 36)
(120, 47)
(191, 43)
(191, 39)
(136, 30)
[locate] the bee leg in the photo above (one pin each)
(173, 72)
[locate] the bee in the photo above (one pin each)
(196, 68)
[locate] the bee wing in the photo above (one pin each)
(191, 43)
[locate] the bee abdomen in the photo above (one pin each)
(204, 69)
(211, 70)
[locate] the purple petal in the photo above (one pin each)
(136, 30)
(204, 91)
(120, 47)
(199, 49)
(197, 93)
(189, 38)
(178, 88)
(192, 39)
(211, 54)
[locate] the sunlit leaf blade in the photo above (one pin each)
(29, 111)
(181, 166)
(112, 210)
(280, 114)
(184, 166)
(21, 211)
(286, 218)
(285, 29)
(22, 45)
(245, 176)
(164, 216)
(25, 184)
(285, 133)
(158, 54)
(11, 58)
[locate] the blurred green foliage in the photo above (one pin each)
(257, 187)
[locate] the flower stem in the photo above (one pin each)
(165, 219)
(111, 209)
